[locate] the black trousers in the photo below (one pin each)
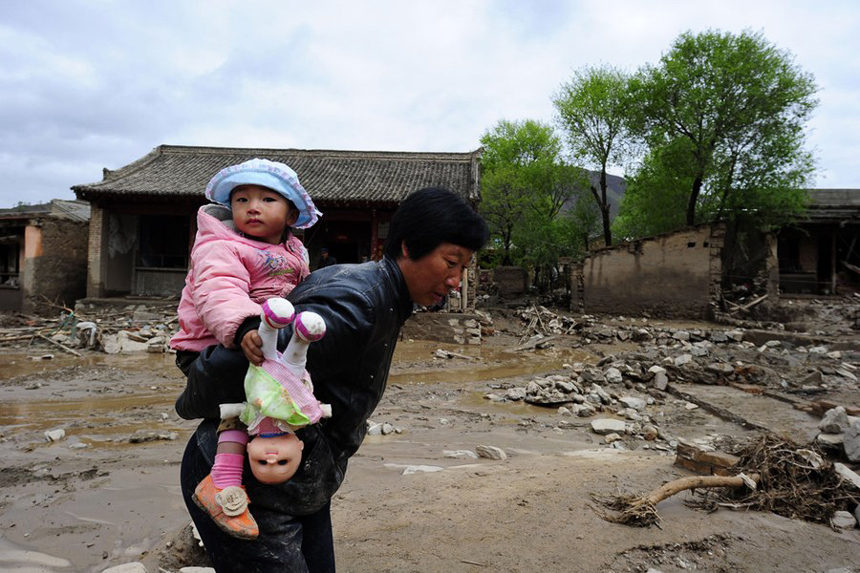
(287, 544)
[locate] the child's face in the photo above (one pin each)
(275, 459)
(261, 213)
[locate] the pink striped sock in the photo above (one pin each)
(227, 470)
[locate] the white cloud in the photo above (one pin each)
(100, 83)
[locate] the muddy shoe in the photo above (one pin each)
(228, 507)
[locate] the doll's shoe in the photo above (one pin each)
(228, 507)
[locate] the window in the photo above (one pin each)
(10, 248)
(163, 242)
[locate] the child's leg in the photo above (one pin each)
(229, 458)
(221, 494)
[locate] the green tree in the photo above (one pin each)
(526, 190)
(516, 153)
(740, 106)
(655, 200)
(592, 108)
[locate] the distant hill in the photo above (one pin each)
(616, 186)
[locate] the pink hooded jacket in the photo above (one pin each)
(229, 276)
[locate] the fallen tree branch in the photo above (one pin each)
(749, 305)
(642, 510)
(62, 346)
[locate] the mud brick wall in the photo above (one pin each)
(510, 281)
(674, 276)
(96, 268)
(55, 263)
(454, 328)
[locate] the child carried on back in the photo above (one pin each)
(245, 254)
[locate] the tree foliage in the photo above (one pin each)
(591, 108)
(724, 115)
(529, 195)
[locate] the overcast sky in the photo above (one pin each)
(98, 83)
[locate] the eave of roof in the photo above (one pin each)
(376, 177)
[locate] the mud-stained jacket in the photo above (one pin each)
(364, 307)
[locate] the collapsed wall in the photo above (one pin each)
(675, 275)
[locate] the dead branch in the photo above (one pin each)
(748, 305)
(64, 347)
(642, 511)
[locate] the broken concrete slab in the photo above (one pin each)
(758, 412)
(605, 426)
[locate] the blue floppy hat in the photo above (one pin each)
(271, 174)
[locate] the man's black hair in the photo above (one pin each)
(430, 217)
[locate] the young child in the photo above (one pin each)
(244, 254)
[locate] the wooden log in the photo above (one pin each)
(63, 347)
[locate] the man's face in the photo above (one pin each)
(275, 460)
(434, 275)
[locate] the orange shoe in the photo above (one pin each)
(228, 507)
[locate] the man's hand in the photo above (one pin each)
(252, 347)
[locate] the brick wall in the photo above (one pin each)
(55, 264)
(95, 264)
(673, 275)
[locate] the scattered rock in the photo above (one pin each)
(843, 520)
(605, 426)
(851, 442)
(55, 435)
(491, 452)
(834, 421)
(127, 568)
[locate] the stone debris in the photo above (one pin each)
(630, 385)
(440, 353)
(606, 426)
(134, 328)
(55, 435)
(134, 567)
(143, 436)
(491, 452)
(851, 442)
(542, 321)
(835, 421)
(414, 469)
(382, 428)
(460, 454)
(843, 520)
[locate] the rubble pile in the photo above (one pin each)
(134, 328)
(796, 482)
(630, 386)
(541, 321)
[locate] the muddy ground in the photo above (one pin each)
(107, 493)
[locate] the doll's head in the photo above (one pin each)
(275, 459)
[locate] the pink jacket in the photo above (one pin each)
(229, 276)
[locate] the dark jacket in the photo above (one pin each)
(364, 307)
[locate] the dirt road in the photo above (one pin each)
(415, 500)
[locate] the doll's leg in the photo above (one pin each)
(221, 493)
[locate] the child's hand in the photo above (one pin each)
(252, 347)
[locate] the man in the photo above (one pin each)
(325, 259)
(432, 238)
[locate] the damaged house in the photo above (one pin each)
(682, 274)
(821, 251)
(144, 214)
(43, 255)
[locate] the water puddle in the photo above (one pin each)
(104, 398)
(491, 362)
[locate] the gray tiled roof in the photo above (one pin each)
(57, 208)
(830, 205)
(170, 172)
